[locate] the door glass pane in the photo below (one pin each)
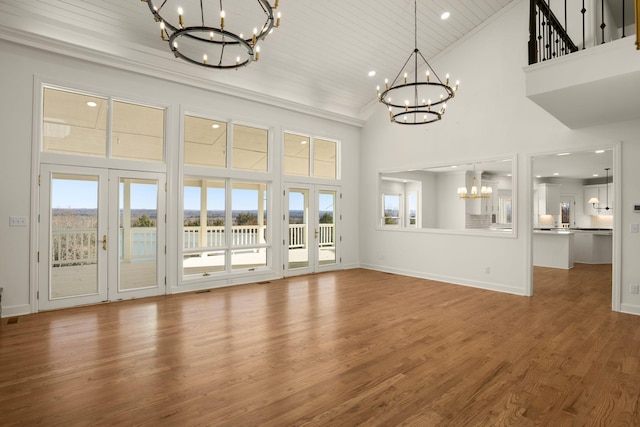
(250, 148)
(205, 142)
(137, 132)
(326, 227)
(204, 226)
(74, 236)
(74, 123)
(298, 222)
(296, 154)
(324, 158)
(137, 237)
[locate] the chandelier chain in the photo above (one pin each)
(415, 101)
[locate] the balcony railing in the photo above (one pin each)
(73, 247)
(298, 233)
(79, 246)
(551, 37)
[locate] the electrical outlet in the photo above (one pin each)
(487, 270)
(634, 288)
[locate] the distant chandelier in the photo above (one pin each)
(204, 33)
(416, 102)
(485, 192)
(594, 200)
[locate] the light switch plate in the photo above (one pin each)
(17, 221)
(634, 228)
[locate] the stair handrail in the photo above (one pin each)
(555, 29)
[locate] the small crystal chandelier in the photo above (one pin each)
(204, 33)
(485, 192)
(417, 102)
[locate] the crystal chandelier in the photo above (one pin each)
(416, 101)
(205, 33)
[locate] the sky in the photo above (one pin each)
(82, 194)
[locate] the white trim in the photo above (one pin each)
(448, 279)
(616, 273)
(16, 310)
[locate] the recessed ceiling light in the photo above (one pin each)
(538, 176)
(599, 151)
(563, 154)
(304, 141)
(91, 104)
(595, 175)
(509, 174)
(454, 166)
(445, 15)
(372, 73)
(556, 173)
(216, 126)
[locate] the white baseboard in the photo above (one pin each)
(630, 309)
(449, 279)
(16, 310)
(349, 266)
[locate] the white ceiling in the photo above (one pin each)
(576, 164)
(318, 58)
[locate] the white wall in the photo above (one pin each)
(490, 117)
(451, 210)
(21, 66)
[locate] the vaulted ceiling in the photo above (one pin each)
(318, 59)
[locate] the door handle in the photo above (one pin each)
(316, 233)
(104, 242)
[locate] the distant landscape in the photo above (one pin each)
(87, 218)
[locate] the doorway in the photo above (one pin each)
(566, 229)
(311, 241)
(101, 236)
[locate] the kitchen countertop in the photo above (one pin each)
(598, 231)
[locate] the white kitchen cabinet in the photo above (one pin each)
(600, 193)
(548, 199)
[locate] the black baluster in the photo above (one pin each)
(533, 52)
(603, 25)
(549, 35)
(623, 20)
(583, 11)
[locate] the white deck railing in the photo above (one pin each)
(73, 247)
(242, 235)
(79, 246)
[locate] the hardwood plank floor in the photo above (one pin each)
(354, 347)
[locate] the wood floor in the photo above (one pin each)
(355, 347)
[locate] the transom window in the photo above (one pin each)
(77, 124)
(309, 156)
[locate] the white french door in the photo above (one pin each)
(101, 236)
(312, 239)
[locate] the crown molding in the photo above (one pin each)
(132, 58)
